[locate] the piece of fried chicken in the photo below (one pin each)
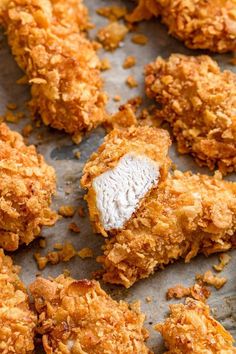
(125, 168)
(200, 24)
(191, 329)
(27, 184)
(199, 102)
(48, 41)
(17, 321)
(77, 316)
(186, 215)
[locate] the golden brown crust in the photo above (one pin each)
(47, 40)
(199, 24)
(77, 316)
(186, 215)
(150, 142)
(199, 101)
(191, 329)
(17, 321)
(26, 186)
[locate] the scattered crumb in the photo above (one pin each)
(74, 227)
(85, 253)
(135, 102)
(11, 106)
(113, 13)
(77, 154)
(22, 81)
(124, 118)
(116, 98)
(211, 279)
(111, 35)
(81, 212)
(197, 291)
(67, 211)
(77, 138)
(105, 64)
(149, 116)
(224, 259)
(131, 82)
(42, 243)
(27, 130)
(129, 62)
(140, 39)
(148, 299)
(58, 246)
(41, 260)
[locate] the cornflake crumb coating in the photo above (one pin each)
(77, 316)
(200, 24)
(17, 321)
(186, 215)
(48, 41)
(199, 102)
(190, 329)
(26, 187)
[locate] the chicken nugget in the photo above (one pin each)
(199, 102)
(200, 24)
(190, 329)
(124, 169)
(77, 316)
(187, 214)
(27, 184)
(48, 41)
(17, 321)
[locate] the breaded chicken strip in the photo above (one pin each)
(77, 316)
(17, 321)
(199, 102)
(125, 168)
(191, 329)
(186, 215)
(48, 42)
(26, 187)
(200, 24)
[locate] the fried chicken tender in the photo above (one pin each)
(77, 316)
(191, 329)
(17, 321)
(186, 215)
(124, 169)
(199, 102)
(48, 42)
(200, 24)
(26, 186)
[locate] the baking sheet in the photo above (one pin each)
(59, 152)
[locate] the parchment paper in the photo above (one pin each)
(59, 152)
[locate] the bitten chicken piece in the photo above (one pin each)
(48, 41)
(199, 102)
(200, 24)
(186, 215)
(17, 321)
(77, 316)
(26, 186)
(191, 329)
(124, 169)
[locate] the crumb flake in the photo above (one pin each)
(140, 39)
(129, 62)
(66, 211)
(112, 35)
(131, 81)
(224, 259)
(209, 278)
(85, 252)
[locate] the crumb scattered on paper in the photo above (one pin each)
(140, 39)
(129, 62)
(209, 278)
(124, 118)
(66, 211)
(197, 291)
(113, 13)
(131, 81)
(224, 259)
(74, 227)
(105, 64)
(85, 253)
(112, 35)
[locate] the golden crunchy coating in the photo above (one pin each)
(26, 186)
(186, 215)
(77, 316)
(191, 329)
(200, 24)
(47, 40)
(199, 101)
(150, 142)
(17, 321)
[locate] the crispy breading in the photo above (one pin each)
(186, 215)
(199, 102)
(191, 329)
(17, 321)
(142, 141)
(27, 184)
(200, 24)
(77, 316)
(47, 39)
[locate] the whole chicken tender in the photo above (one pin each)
(77, 316)
(27, 184)
(199, 102)
(122, 172)
(47, 38)
(186, 215)
(200, 24)
(17, 321)
(190, 329)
